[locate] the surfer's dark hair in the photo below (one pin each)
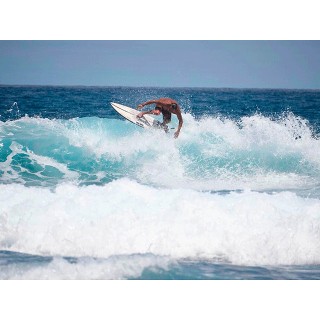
(174, 105)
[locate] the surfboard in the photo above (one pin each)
(131, 114)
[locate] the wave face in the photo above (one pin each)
(213, 153)
(89, 195)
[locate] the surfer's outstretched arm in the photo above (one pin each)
(140, 106)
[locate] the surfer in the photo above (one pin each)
(166, 106)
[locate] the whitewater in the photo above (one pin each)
(87, 195)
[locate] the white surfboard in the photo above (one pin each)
(131, 114)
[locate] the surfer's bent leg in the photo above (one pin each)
(166, 120)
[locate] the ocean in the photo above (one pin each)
(85, 194)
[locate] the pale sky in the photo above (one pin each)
(233, 64)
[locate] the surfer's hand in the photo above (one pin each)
(140, 106)
(139, 115)
(176, 134)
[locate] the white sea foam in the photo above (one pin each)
(125, 218)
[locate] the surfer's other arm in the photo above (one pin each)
(155, 112)
(179, 116)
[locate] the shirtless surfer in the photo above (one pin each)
(166, 106)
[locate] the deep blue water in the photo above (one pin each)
(87, 195)
(70, 102)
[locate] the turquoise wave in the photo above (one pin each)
(211, 153)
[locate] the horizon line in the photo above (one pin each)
(152, 87)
